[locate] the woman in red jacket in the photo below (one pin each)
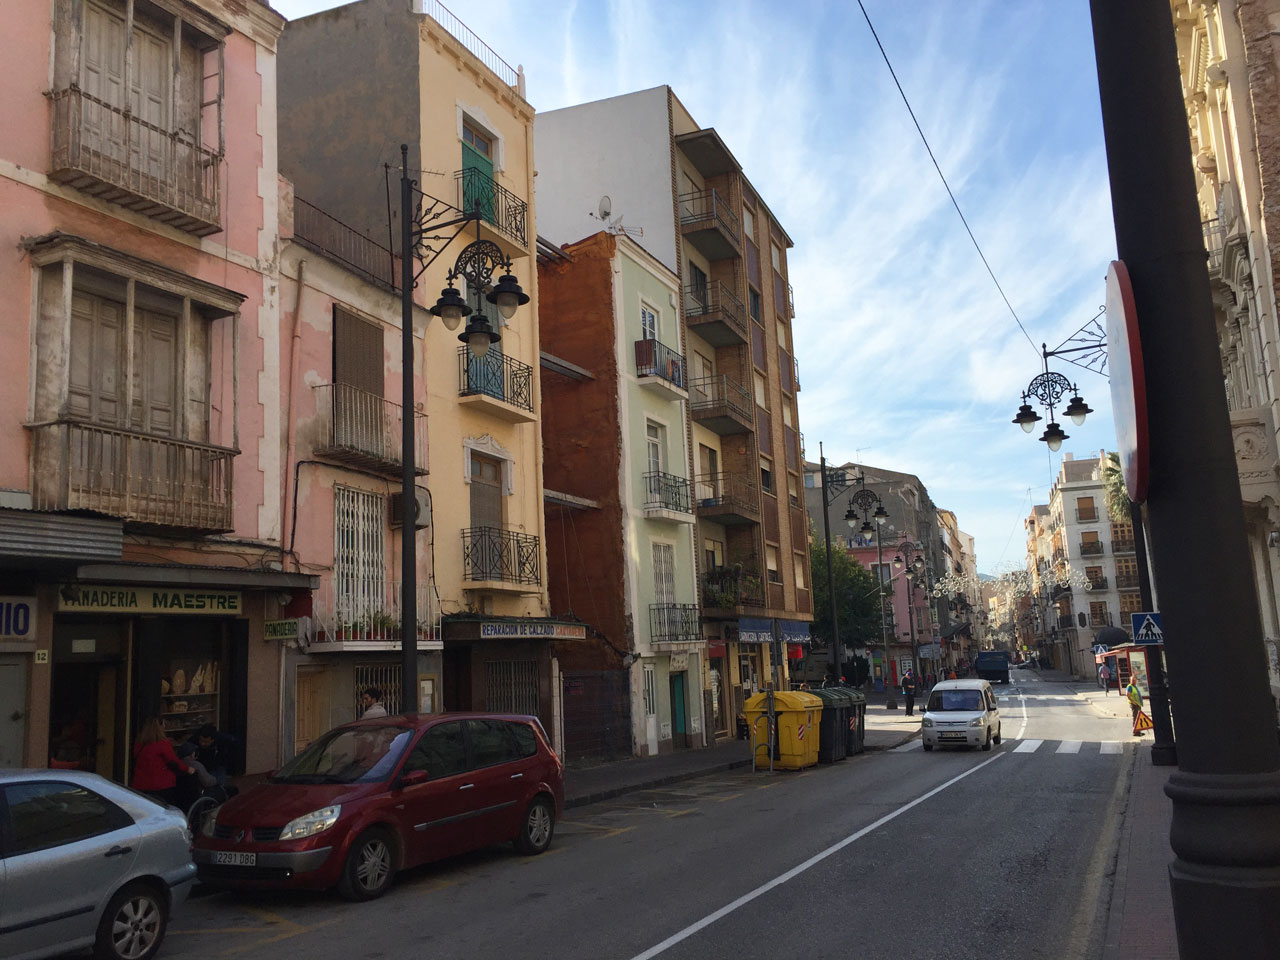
(155, 765)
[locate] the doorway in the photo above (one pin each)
(312, 707)
(87, 725)
(13, 721)
(679, 720)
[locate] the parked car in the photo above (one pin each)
(85, 862)
(373, 797)
(961, 713)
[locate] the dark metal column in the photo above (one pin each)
(408, 526)
(831, 578)
(1163, 752)
(1226, 793)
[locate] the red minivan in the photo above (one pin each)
(376, 796)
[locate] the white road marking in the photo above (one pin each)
(1069, 746)
(1028, 746)
(1111, 746)
(1022, 729)
(909, 745)
(795, 871)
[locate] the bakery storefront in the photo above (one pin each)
(121, 653)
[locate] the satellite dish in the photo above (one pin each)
(605, 208)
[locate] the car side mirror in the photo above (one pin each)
(414, 777)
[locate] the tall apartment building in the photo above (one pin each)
(355, 83)
(641, 160)
(1228, 60)
(140, 510)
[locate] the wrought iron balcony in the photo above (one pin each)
(1127, 581)
(797, 365)
(1099, 619)
(364, 613)
(138, 477)
(1086, 516)
(716, 314)
(662, 368)
(1213, 244)
(708, 221)
(108, 152)
(1097, 583)
(667, 494)
(496, 556)
(1092, 548)
(330, 237)
(722, 405)
(500, 384)
(497, 206)
(731, 587)
(729, 498)
(1124, 545)
(674, 623)
(366, 430)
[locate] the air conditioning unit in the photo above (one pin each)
(422, 511)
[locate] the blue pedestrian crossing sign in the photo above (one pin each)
(1146, 628)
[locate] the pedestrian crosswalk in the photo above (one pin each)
(1069, 747)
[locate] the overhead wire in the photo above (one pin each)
(942, 177)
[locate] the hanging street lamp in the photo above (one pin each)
(861, 503)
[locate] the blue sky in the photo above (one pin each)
(908, 357)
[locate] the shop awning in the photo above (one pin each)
(194, 576)
(30, 538)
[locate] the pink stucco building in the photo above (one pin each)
(141, 500)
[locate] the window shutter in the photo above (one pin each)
(358, 352)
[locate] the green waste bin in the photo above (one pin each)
(833, 741)
(856, 724)
(796, 738)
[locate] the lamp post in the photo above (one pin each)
(423, 222)
(911, 556)
(866, 505)
(1049, 387)
(834, 483)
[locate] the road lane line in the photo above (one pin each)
(1069, 746)
(795, 871)
(1111, 746)
(1028, 746)
(1022, 729)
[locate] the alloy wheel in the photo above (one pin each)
(539, 825)
(135, 927)
(374, 865)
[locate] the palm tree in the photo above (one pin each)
(1113, 490)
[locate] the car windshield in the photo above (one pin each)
(348, 755)
(956, 700)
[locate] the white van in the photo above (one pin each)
(961, 713)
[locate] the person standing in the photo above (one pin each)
(372, 701)
(1135, 704)
(155, 764)
(909, 691)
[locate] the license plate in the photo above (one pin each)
(236, 859)
(951, 736)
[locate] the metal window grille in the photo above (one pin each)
(384, 676)
(511, 686)
(650, 692)
(359, 556)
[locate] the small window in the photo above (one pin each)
(713, 553)
(798, 560)
(442, 751)
(648, 322)
(781, 327)
(478, 140)
(809, 481)
(771, 561)
(753, 303)
(45, 815)
(775, 254)
(748, 223)
(793, 490)
(766, 475)
(787, 417)
(491, 742)
(650, 692)
(762, 397)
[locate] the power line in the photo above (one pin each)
(943, 178)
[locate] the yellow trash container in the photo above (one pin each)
(797, 734)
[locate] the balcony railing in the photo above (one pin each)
(739, 585)
(791, 300)
(106, 151)
(330, 237)
(1097, 583)
(442, 15)
(666, 491)
(1213, 243)
(138, 477)
(1122, 545)
(366, 610)
(655, 359)
(507, 556)
(497, 206)
(797, 365)
(366, 430)
(721, 404)
(1086, 516)
(1127, 581)
(727, 497)
(674, 623)
(716, 314)
(1099, 619)
(708, 220)
(1092, 548)
(495, 375)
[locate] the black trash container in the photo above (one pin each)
(833, 741)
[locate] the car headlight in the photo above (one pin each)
(210, 821)
(976, 722)
(926, 722)
(317, 821)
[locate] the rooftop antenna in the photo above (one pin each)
(604, 210)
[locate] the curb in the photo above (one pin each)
(893, 746)
(609, 793)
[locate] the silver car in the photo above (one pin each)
(961, 713)
(86, 862)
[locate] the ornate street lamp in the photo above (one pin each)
(861, 503)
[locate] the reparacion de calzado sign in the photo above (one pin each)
(150, 600)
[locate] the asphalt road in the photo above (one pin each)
(901, 854)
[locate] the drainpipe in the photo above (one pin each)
(294, 360)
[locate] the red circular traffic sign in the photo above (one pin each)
(1128, 383)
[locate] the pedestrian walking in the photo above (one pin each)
(1135, 704)
(1104, 675)
(909, 691)
(372, 701)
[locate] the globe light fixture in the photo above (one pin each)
(1053, 436)
(1077, 409)
(1026, 417)
(507, 296)
(451, 307)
